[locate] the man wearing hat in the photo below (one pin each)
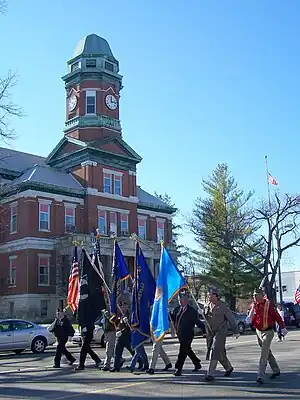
(185, 318)
(263, 316)
(217, 316)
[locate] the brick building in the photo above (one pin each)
(88, 180)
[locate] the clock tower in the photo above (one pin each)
(93, 87)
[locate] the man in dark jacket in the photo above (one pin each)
(87, 334)
(62, 329)
(185, 318)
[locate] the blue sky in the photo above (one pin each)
(204, 82)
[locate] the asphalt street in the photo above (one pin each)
(30, 376)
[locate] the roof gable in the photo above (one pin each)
(115, 145)
(66, 146)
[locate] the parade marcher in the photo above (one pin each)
(140, 355)
(185, 318)
(87, 334)
(217, 316)
(281, 313)
(264, 317)
(158, 350)
(62, 330)
(123, 337)
(110, 340)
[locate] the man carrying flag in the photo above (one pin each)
(143, 293)
(91, 304)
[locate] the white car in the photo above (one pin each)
(18, 335)
(98, 338)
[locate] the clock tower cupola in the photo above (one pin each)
(93, 87)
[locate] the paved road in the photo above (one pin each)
(28, 376)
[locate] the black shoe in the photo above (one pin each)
(197, 367)
(105, 369)
(140, 366)
(72, 362)
(260, 381)
(129, 368)
(114, 369)
(178, 372)
(79, 368)
(56, 366)
(275, 375)
(98, 364)
(150, 371)
(209, 378)
(229, 372)
(167, 367)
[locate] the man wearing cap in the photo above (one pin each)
(263, 317)
(185, 318)
(217, 316)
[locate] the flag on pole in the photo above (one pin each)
(297, 296)
(169, 283)
(143, 293)
(272, 180)
(120, 274)
(73, 286)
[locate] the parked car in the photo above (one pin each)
(291, 314)
(18, 335)
(240, 320)
(99, 337)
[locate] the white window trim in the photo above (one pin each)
(48, 203)
(111, 209)
(70, 205)
(44, 201)
(142, 217)
(161, 220)
(44, 256)
(112, 172)
(121, 185)
(13, 205)
(90, 93)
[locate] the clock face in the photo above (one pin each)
(111, 102)
(72, 103)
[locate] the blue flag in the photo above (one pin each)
(169, 283)
(143, 293)
(120, 273)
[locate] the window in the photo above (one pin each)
(107, 186)
(160, 231)
(91, 102)
(44, 270)
(109, 66)
(44, 308)
(44, 216)
(21, 325)
(102, 225)
(13, 218)
(124, 224)
(91, 63)
(113, 223)
(5, 326)
(118, 185)
(70, 218)
(12, 280)
(75, 67)
(142, 228)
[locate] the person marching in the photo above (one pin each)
(87, 334)
(185, 318)
(110, 339)
(281, 313)
(158, 350)
(62, 330)
(216, 316)
(263, 319)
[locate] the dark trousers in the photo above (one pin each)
(86, 349)
(122, 342)
(61, 350)
(185, 351)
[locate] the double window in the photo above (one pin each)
(112, 182)
(44, 216)
(90, 102)
(44, 269)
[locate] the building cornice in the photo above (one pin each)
(43, 194)
(28, 243)
(95, 192)
(154, 214)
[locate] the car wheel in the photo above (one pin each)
(102, 343)
(19, 351)
(38, 345)
(241, 327)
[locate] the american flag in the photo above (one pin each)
(73, 288)
(272, 180)
(297, 296)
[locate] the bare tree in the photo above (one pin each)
(7, 107)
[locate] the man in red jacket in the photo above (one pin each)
(263, 320)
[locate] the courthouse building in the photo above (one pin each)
(87, 180)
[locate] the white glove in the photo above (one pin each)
(200, 311)
(84, 330)
(284, 331)
(248, 320)
(125, 320)
(118, 333)
(236, 335)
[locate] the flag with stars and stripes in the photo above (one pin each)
(73, 287)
